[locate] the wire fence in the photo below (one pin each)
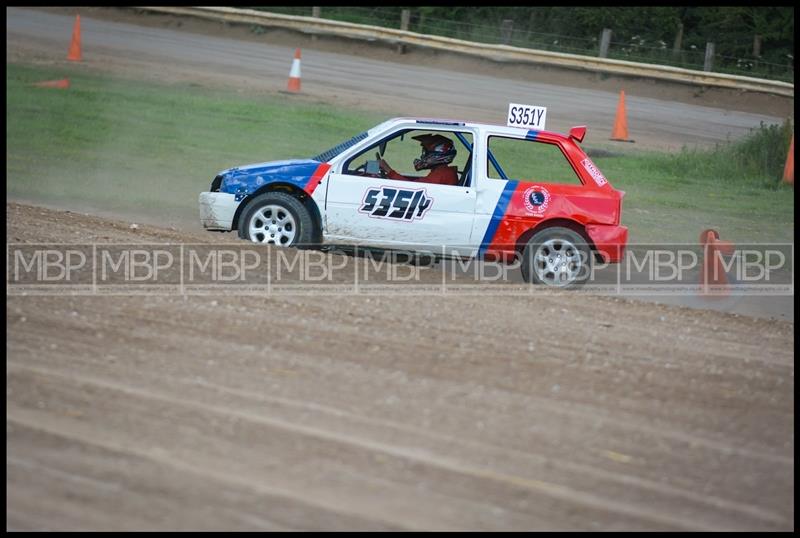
(518, 34)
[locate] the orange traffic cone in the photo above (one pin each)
(294, 74)
(713, 272)
(620, 131)
(788, 170)
(62, 84)
(75, 46)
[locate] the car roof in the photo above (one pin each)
(445, 122)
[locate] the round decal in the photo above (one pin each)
(536, 200)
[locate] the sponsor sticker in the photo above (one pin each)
(536, 200)
(527, 116)
(405, 205)
(598, 176)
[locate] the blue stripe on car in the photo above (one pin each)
(497, 216)
(531, 135)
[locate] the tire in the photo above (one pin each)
(277, 218)
(557, 257)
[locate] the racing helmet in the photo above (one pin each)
(436, 150)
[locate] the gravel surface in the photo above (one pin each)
(358, 412)
(538, 411)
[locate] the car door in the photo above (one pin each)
(392, 213)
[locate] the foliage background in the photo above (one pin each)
(640, 33)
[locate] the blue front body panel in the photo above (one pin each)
(242, 181)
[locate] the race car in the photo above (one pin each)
(506, 193)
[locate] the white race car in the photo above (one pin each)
(490, 190)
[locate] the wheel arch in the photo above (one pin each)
(288, 188)
(573, 225)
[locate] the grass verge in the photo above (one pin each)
(129, 146)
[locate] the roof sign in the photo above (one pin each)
(526, 116)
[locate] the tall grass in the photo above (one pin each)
(756, 160)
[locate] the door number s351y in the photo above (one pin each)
(397, 204)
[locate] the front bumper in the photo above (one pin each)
(609, 241)
(217, 210)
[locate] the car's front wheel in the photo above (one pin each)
(276, 218)
(557, 257)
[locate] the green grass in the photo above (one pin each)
(757, 159)
(122, 144)
(735, 188)
(138, 147)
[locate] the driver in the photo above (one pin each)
(437, 152)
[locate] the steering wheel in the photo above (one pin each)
(362, 170)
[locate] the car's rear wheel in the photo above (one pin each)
(557, 257)
(276, 218)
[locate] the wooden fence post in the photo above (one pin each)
(676, 47)
(505, 31)
(605, 42)
(405, 18)
(315, 12)
(757, 46)
(708, 64)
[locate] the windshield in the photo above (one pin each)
(336, 150)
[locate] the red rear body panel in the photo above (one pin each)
(593, 208)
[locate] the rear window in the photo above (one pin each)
(528, 160)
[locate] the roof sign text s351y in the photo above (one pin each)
(526, 116)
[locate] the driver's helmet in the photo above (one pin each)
(436, 150)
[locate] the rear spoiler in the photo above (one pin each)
(578, 133)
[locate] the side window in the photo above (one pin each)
(402, 149)
(528, 160)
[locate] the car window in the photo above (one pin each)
(402, 149)
(529, 160)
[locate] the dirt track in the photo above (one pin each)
(365, 412)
